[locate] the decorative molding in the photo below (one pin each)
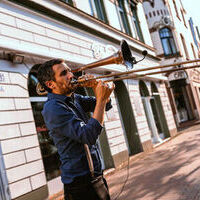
(165, 21)
(136, 1)
(177, 75)
(101, 51)
(152, 2)
(151, 30)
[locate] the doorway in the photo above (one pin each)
(151, 113)
(182, 101)
(128, 118)
(158, 113)
(105, 152)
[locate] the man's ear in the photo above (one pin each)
(50, 84)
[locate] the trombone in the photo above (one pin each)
(134, 75)
(123, 56)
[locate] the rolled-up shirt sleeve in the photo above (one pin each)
(64, 121)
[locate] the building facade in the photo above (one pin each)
(32, 32)
(175, 40)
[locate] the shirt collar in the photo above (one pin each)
(61, 97)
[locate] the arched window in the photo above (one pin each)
(49, 152)
(167, 40)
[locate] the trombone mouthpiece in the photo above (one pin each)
(73, 82)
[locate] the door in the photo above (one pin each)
(128, 118)
(156, 117)
(103, 145)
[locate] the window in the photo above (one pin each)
(183, 18)
(123, 18)
(185, 47)
(195, 57)
(167, 41)
(136, 22)
(68, 1)
(197, 29)
(48, 150)
(176, 9)
(98, 10)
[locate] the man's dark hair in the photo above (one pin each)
(46, 73)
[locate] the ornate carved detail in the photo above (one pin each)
(165, 21)
(152, 2)
(101, 51)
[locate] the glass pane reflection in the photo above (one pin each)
(49, 151)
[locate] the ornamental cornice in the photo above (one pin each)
(165, 21)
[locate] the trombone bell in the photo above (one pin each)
(123, 56)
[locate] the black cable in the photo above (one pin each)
(127, 177)
(26, 65)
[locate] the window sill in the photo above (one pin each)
(170, 55)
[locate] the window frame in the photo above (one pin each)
(184, 47)
(98, 10)
(183, 18)
(194, 54)
(123, 19)
(136, 22)
(48, 150)
(176, 9)
(68, 2)
(170, 40)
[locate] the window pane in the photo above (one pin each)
(166, 47)
(173, 46)
(67, 1)
(136, 22)
(167, 40)
(123, 17)
(49, 151)
(98, 9)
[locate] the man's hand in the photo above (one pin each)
(103, 91)
(87, 82)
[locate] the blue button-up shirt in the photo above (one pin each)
(70, 128)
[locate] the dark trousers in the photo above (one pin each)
(81, 189)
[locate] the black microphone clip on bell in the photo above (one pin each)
(144, 53)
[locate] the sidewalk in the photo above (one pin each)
(170, 172)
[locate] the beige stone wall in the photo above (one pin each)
(19, 142)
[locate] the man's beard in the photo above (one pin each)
(66, 89)
(70, 90)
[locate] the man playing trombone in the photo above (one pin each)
(65, 116)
